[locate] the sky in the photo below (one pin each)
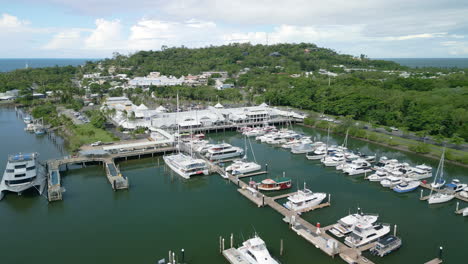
(98, 28)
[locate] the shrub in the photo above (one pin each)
(420, 148)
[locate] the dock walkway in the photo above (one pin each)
(115, 178)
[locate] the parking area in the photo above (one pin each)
(76, 117)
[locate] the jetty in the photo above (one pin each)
(313, 234)
(428, 186)
(105, 158)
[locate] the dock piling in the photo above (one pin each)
(281, 247)
(220, 247)
(440, 252)
(394, 230)
(458, 204)
(422, 194)
(232, 240)
(223, 246)
(183, 255)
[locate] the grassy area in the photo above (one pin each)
(87, 134)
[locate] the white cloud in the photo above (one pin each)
(10, 22)
(457, 48)
(106, 35)
(153, 33)
(67, 39)
(418, 36)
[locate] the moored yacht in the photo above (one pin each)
(223, 151)
(357, 167)
(378, 176)
(304, 199)
(365, 233)
(391, 181)
(185, 165)
(240, 167)
(273, 184)
(440, 198)
(333, 160)
(346, 224)
(456, 186)
(23, 172)
(255, 251)
(301, 148)
(406, 186)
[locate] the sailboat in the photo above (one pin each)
(439, 197)
(243, 166)
(319, 152)
(182, 164)
(39, 127)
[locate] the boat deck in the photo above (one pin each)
(235, 257)
(428, 186)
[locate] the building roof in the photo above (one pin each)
(218, 105)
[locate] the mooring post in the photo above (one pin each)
(232, 240)
(183, 255)
(281, 248)
(223, 245)
(422, 193)
(394, 230)
(440, 252)
(220, 249)
(456, 209)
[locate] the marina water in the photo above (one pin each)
(162, 212)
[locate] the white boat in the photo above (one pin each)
(223, 151)
(255, 251)
(420, 172)
(345, 225)
(185, 165)
(465, 212)
(254, 132)
(333, 160)
(318, 153)
(391, 181)
(456, 186)
(23, 172)
(27, 119)
(301, 148)
(378, 176)
(243, 167)
(365, 233)
(275, 140)
(439, 181)
(357, 167)
(463, 194)
(291, 143)
(304, 199)
(440, 198)
(407, 186)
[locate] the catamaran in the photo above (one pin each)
(244, 166)
(182, 164)
(23, 172)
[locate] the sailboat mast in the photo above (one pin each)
(177, 124)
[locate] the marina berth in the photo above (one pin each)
(304, 199)
(23, 172)
(302, 148)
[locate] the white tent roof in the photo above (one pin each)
(161, 109)
(142, 107)
(218, 105)
(263, 104)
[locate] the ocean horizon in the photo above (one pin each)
(10, 64)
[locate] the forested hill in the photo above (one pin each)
(292, 58)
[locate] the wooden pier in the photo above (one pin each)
(113, 175)
(434, 261)
(319, 238)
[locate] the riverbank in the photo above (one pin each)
(404, 148)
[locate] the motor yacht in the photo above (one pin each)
(302, 148)
(23, 172)
(255, 251)
(304, 199)
(391, 181)
(333, 160)
(223, 151)
(365, 233)
(456, 186)
(345, 225)
(357, 167)
(378, 176)
(406, 186)
(240, 167)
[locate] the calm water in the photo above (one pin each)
(161, 212)
(13, 64)
(431, 62)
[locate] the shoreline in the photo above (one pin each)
(400, 148)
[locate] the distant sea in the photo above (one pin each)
(431, 62)
(13, 64)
